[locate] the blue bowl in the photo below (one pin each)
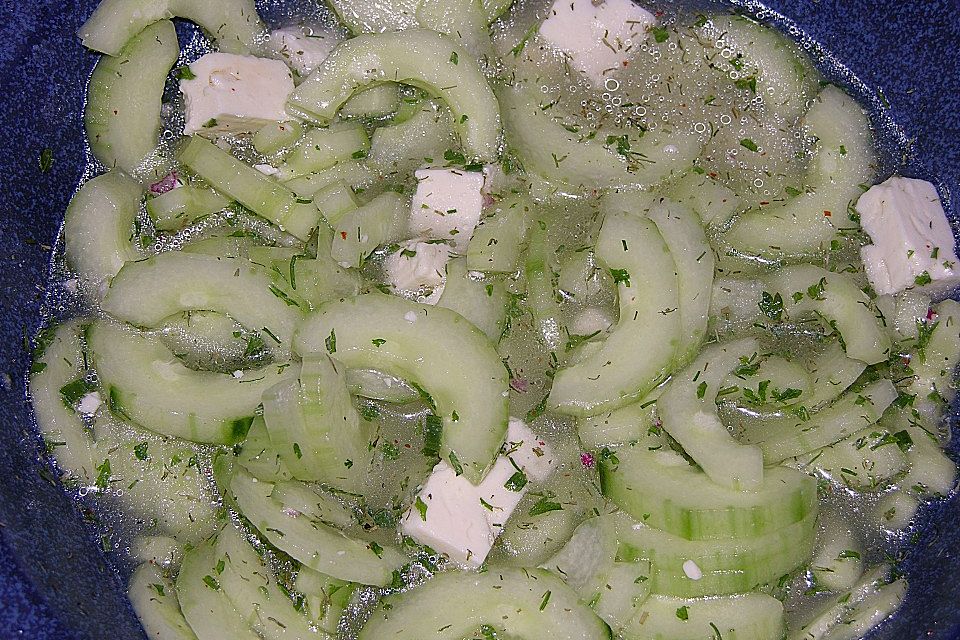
(54, 579)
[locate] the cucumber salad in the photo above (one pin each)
(472, 319)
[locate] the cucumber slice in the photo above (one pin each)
(380, 101)
(842, 161)
(553, 152)
(688, 409)
(540, 270)
(691, 252)
(416, 57)
(362, 16)
(633, 422)
(867, 460)
(98, 227)
(314, 427)
(787, 437)
(145, 382)
(370, 383)
(276, 136)
(317, 505)
(160, 551)
(251, 587)
(838, 563)
(526, 603)
(154, 598)
(323, 148)
(483, 304)
(465, 21)
(497, 240)
(205, 606)
(713, 202)
(233, 23)
(327, 598)
(122, 116)
(752, 616)
(640, 351)
(58, 362)
(433, 347)
(832, 374)
(767, 382)
(352, 173)
(316, 545)
(179, 207)
(833, 614)
(358, 233)
(144, 293)
(157, 481)
(661, 490)
(725, 566)
(402, 147)
(249, 187)
(335, 201)
(260, 457)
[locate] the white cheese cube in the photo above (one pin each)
(462, 520)
(598, 37)
(418, 268)
(235, 93)
(303, 48)
(447, 205)
(913, 243)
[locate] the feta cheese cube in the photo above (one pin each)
(235, 93)
(597, 37)
(913, 242)
(418, 268)
(302, 48)
(462, 520)
(447, 205)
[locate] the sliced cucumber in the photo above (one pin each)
(540, 270)
(318, 505)
(122, 116)
(323, 148)
(691, 252)
(58, 363)
(860, 609)
(633, 422)
(526, 603)
(154, 598)
(98, 227)
(752, 616)
(713, 202)
(688, 410)
(276, 136)
(358, 233)
(553, 152)
(787, 437)
(465, 21)
(233, 23)
(662, 490)
(311, 542)
(260, 457)
(842, 161)
(380, 101)
(768, 383)
(251, 587)
(361, 16)
(838, 562)
(867, 460)
(484, 304)
(693, 568)
(249, 187)
(205, 606)
(420, 58)
(160, 551)
(433, 347)
(832, 374)
(351, 172)
(146, 292)
(179, 207)
(144, 382)
(327, 598)
(406, 145)
(370, 383)
(640, 351)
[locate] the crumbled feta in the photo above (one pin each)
(302, 48)
(418, 268)
(89, 403)
(691, 570)
(913, 243)
(597, 37)
(447, 205)
(267, 169)
(235, 93)
(462, 520)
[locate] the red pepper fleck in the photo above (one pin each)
(764, 203)
(931, 314)
(827, 213)
(343, 234)
(905, 360)
(713, 174)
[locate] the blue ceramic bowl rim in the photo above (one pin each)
(54, 582)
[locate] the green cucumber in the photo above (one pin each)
(866, 461)
(540, 270)
(182, 206)
(527, 603)
(694, 568)
(640, 351)
(316, 545)
(318, 505)
(450, 359)
(662, 490)
(146, 292)
(405, 145)
(274, 137)
(424, 59)
(98, 227)
(838, 562)
(752, 616)
(380, 101)
(370, 383)
(323, 148)
(59, 362)
(122, 116)
(713, 202)
(396, 15)
(154, 598)
(260, 457)
(874, 596)
(350, 172)
(688, 410)
(205, 606)
(790, 436)
(327, 598)
(358, 233)
(484, 304)
(161, 551)
(234, 24)
(842, 161)
(143, 381)
(634, 422)
(832, 374)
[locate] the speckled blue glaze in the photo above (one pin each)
(54, 581)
